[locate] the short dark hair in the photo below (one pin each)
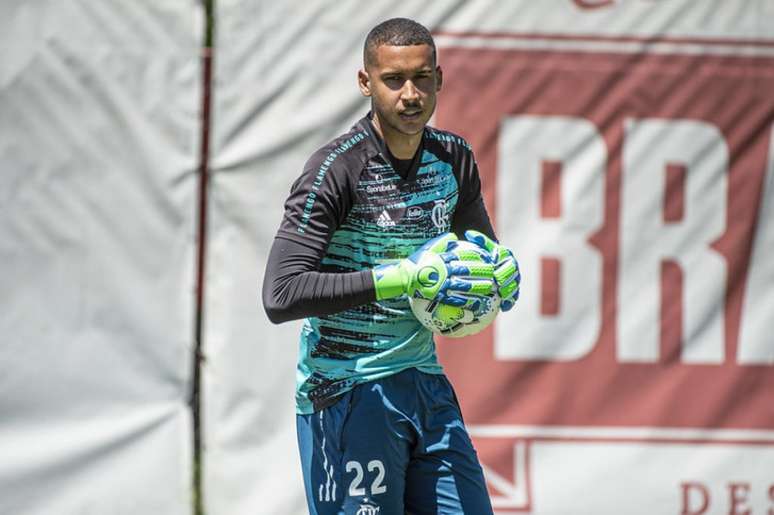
(396, 32)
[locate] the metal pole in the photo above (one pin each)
(203, 195)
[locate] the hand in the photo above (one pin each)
(506, 273)
(437, 271)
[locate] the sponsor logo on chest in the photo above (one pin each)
(380, 188)
(415, 213)
(385, 220)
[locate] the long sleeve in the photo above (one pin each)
(318, 203)
(293, 288)
(471, 211)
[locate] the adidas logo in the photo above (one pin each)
(384, 220)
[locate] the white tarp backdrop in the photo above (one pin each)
(626, 153)
(98, 125)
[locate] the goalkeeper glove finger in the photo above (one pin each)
(471, 274)
(506, 273)
(435, 272)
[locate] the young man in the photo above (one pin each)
(379, 427)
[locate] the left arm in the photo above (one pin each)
(472, 220)
(471, 211)
(473, 217)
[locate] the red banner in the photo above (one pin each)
(632, 183)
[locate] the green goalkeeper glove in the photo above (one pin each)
(506, 272)
(437, 272)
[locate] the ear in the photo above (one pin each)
(439, 78)
(364, 83)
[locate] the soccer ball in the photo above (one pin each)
(452, 321)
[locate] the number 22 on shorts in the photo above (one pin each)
(355, 488)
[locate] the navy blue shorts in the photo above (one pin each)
(393, 446)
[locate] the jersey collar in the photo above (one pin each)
(377, 145)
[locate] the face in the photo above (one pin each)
(402, 83)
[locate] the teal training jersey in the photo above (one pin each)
(352, 201)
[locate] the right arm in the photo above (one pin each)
(293, 286)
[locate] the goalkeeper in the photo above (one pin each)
(379, 427)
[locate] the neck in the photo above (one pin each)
(402, 146)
